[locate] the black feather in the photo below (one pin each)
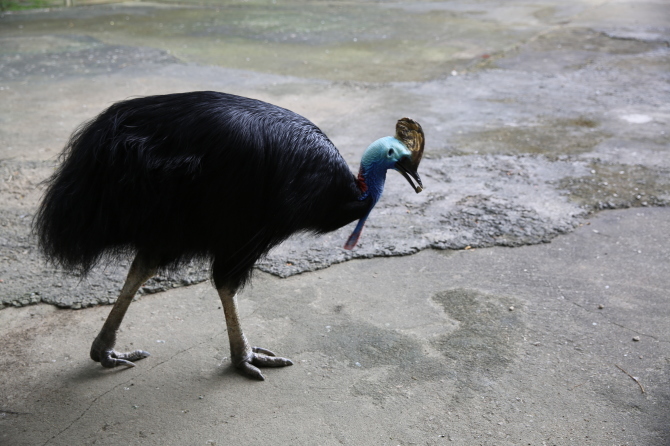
(201, 175)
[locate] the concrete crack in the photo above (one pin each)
(85, 411)
(11, 412)
(142, 373)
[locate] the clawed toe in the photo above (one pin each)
(250, 371)
(112, 358)
(269, 359)
(260, 357)
(262, 350)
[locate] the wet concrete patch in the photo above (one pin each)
(56, 57)
(392, 357)
(617, 186)
(569, 49)
(550, 137)
(472, 342)
(490, 331)
(494, 221)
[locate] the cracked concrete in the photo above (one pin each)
(547, 181)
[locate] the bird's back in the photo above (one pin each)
(187, 175)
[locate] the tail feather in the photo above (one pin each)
(64, 224)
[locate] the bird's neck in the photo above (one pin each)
(370, 181)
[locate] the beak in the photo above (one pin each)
(410, 133)
(407, 169)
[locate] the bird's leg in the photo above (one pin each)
(244, 357)
(102, 349)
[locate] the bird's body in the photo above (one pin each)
(201, 175)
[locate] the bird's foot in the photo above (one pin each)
(112, 358)
(262, 358)
(108, 357)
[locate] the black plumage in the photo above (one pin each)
(200, 175)
(194, 175)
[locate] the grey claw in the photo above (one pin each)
(112, 358)
(133, 356)
(250, 371)
(123, 362)
(263, 351)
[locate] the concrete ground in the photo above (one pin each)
(532, 309)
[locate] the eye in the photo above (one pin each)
(391, 152)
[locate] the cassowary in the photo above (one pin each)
(205, 176)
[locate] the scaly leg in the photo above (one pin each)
(244, 357)
(102, 349)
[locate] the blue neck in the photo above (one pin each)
(373, 178)
(379, 157)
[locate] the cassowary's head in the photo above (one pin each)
(389, 153)
(401, 152)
